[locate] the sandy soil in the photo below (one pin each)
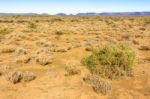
(76, 33)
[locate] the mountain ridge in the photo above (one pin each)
(80, 14)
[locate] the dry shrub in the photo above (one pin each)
(44, 42)
(16, 36)
(20, 51)
(72, 70)
(102, 87)
(14, 77)
(99, 85)
(44, 56)
(28, 76)
(110, 61)
(23, 59)
(61, 49)
(7, 49)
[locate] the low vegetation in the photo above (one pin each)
(110, 61)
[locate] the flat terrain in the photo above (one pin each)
(45, 46)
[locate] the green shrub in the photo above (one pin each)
(110, 61)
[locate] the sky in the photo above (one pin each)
(72, 6)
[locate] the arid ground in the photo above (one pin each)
(44, 47)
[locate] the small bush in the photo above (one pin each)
(110, 61)
(14, 77)
(44, 58)
(20, 51)
(99, 85)
(102, 87)
(28, 76)
(72, 70)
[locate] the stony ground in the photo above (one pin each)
(37, 55)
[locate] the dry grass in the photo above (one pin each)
(42, 43)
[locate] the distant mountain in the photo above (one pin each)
(23, 14)
(126, 13)
(61, 14)
(114, 13)
(80, 14)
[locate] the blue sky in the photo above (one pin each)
(73, 6)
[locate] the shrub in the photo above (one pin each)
(102, 87)
(72, 70)
(99, 85)
(110, 61)
(43, 58)
(20, 51)
(28, 76)
(14, 77)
